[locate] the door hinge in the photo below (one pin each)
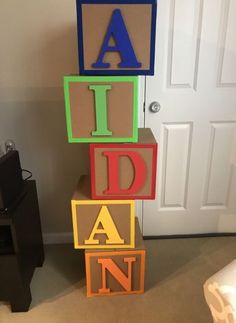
(144, 105)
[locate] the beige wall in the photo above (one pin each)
(38, 46)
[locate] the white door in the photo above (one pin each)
(195, 84)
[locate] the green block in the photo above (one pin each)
(101, 109)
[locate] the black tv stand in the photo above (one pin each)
(21, 249)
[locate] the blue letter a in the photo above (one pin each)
(118, 31)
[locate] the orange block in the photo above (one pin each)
(116, 271)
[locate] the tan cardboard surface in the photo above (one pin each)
(120, 106)
(96, 18)
(112, 283)
(87, 215)
(126, 169)
(83, 189)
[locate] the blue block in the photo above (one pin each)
(114, 39)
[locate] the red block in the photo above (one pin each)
(124, 171)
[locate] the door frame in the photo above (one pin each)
(141, 124)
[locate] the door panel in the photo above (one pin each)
(175, 164)
(227, 41)
(185, 21)
(219, 170)
(194, 83)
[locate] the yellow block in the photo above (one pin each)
(102, 224)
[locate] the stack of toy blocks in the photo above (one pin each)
(116, 43)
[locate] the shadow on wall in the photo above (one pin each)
(36, 122)
(39, 131)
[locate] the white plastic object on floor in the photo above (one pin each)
(220, 294)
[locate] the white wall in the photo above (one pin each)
(38, 46)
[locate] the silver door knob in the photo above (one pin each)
(155, 107)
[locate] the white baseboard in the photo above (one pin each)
(67, 237)
(56, 238)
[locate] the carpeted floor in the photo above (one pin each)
(175, 272)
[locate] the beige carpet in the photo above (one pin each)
(176, 271)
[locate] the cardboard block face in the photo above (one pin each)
(124, 171)
(116, 272)
(101, 109)
(101, 224)
(116, 37)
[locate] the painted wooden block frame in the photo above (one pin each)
(118, 231)
(113, 255)
(131, 24)
(101, 109)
